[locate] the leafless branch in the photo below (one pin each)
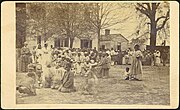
(167, 15)
(143, 10)
(164, 22)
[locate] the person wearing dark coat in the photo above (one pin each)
(67, 80)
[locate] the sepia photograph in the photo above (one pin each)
(113, 53)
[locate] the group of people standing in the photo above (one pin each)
(56, 67)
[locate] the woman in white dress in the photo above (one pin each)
(39, 54)
(46, 56)
(158, 60)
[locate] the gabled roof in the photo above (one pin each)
(113, 37)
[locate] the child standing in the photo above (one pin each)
(91, 80)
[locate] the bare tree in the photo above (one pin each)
(70, 20)
(150, 10)
(102, 16)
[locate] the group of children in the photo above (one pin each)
(58, 68)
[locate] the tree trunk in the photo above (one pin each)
(99, 35)
(153, 33)
(71, 42)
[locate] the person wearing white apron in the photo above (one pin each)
(46, 56)
(158, 60)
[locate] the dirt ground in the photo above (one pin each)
(153, 90)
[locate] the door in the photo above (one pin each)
(119, 47)
(39, 40)
(86, 43)
(103, 47)
(57, 42)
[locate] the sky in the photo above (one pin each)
(129, 27)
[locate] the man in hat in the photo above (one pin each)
(25, 57)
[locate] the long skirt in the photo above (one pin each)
(123, 61)
(136, 69)
(24, 61)
(158, 61)
(105, 72)
(78, 66)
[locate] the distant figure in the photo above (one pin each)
(46, 56)
(34, 57)
(164, 57)
(158, 60)
(104, 63)
(119, 58)
(25, 58)
(113, 57)
(136, 66)
(130, 54)
(39, 54)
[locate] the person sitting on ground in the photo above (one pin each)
(127, 74)
(27, 85)
(47, 76)
(67, 80)
(58, 75)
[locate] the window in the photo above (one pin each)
(86, 43)
(103, 47)
(66, 41)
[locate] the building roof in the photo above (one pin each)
(113, 37)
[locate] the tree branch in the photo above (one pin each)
(143, 10)
(157, 5)
(163, 24)
(167, 15)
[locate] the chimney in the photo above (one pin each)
(107, 32)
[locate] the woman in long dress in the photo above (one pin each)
(25, 58)
(46, 56)
(39, 54)
(136, 66)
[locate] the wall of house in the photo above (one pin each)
(32, 41)
(112, 44)
(95, 42)
(124, 46)
(76, 43)
(106, 43)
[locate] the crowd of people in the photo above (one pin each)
(56, 68)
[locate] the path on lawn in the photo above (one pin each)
(154, 89)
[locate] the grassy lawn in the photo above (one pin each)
(153, 90)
